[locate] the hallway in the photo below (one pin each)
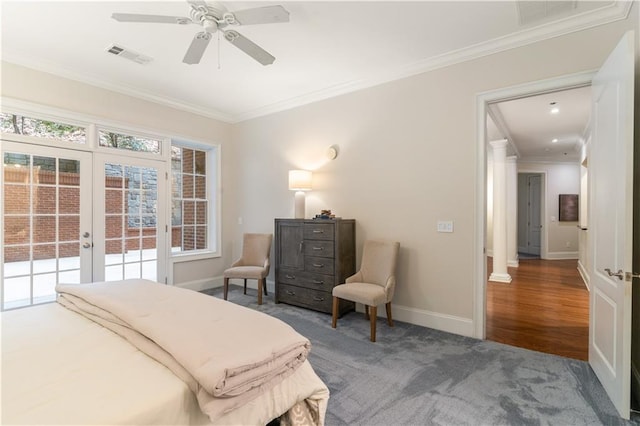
(545, 308)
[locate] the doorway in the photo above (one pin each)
(530, 196)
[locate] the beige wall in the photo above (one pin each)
(408, 152)
(408, 159)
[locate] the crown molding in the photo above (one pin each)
(611, 13)
(498, 119)
(614, 12)
(60, 71)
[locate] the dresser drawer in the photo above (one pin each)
(318, 248)
(314, 299)
(319, 265)
(308, 280)
(318, 231)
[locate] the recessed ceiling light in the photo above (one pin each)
(554, 140)
(554, 108)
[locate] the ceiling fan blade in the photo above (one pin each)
(197, 48)
(262, 15)
(249, 47)
(197, 3)
(161, 19)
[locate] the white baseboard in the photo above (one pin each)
(207, 283)
(203, 284)
(513, 263)
(435, 320)
(562, 255)
(501, 278)
(584, 274)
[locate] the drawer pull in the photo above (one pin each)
(318, 265)
(318, 248)
(291, 293)
(317, 282)
(318, 231)
(318, 299)
(291, 277)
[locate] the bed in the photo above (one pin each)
(60, 367)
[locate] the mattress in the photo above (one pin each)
(61, 368)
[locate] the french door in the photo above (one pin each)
(73, 216)
(46, 236)
(129, 218)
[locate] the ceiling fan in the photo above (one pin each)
(215, 17)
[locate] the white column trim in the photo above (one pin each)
(500, 272)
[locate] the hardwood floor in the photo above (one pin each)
(544, 308)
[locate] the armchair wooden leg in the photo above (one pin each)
(334, 318)
(260, 290)
(245, 286)
(264, 284)
(226, 287)
(366, 312)
(389, 319)
(374, 317)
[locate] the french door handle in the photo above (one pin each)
(618, 274)
(86, 245)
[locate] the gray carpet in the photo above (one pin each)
(419, 376)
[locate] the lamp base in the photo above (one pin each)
(299, 205)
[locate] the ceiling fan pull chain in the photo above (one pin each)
(218, 49)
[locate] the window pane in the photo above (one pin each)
(44, 229)
(16, 199)
(69, 202)
(16, 168)
(16, 230)
(69, 228)
(21, 125)
(190, 199)
(129, 142)
(44, 199)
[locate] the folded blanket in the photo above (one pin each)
(227, 354)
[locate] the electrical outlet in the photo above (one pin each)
(568, 244)
(445, 226)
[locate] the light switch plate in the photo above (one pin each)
(445, 226)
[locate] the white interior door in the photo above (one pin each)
(46, 239)
(610, 223)
(129, 218)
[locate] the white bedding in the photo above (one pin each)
(61, 368)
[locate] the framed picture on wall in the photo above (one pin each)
(569, 207)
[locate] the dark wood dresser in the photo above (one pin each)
(312, 257)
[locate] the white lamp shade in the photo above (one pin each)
(300, 180)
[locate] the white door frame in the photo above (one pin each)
(482, 101)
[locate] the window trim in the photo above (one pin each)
(92, 124)
(213, 196)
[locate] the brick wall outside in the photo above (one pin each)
(17, 225)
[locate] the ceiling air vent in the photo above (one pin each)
(129, 54)
(535, 11)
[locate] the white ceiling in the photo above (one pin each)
(328, 48)
(531, 128)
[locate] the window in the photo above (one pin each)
(129, 142)
(29, 126)
(191, 198)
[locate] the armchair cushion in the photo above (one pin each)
(368, 294)
(248, 272)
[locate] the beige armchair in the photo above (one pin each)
(373, 284)
(253, 264)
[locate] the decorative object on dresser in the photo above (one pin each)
(373, 284)
(300, 181)
(254, 263)
(311, 258)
